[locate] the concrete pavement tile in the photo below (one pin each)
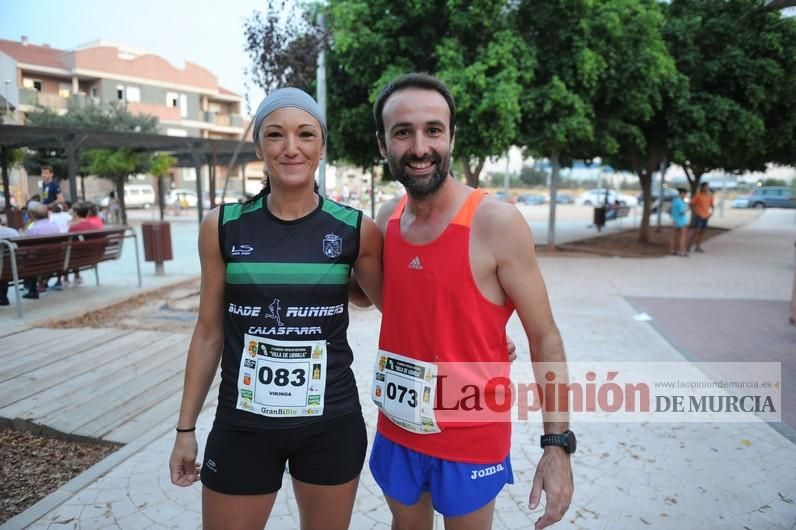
(162, 511)
(63, 526)
(99, 523)
(283, 522)
(185, 521)
(365, 502)
(64, 514)
(123, 508)
(512, 519)
(135, 521)
(281, 507)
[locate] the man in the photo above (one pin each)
(456, 265)
(702, 206)
(51, 190)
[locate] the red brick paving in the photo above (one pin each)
(711, 330)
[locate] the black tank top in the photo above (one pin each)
(286, 298)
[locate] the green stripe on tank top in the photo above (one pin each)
(341, 213)
(288, 273)
(235, 211)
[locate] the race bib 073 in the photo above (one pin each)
(404, 389)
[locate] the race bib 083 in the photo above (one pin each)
(280, 378)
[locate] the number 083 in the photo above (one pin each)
(281, 376)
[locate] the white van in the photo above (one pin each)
(139, 196)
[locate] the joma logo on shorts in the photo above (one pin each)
(481, 473)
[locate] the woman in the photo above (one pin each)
(273, 309)
(679, 215)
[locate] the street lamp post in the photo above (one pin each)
(6, 114)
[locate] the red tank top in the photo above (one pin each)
(433, 311)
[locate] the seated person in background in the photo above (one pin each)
(40, 220)
(40, 226)
(5, 232)
(93, 216)
(81, 222)
(612, 210)
(60, 215)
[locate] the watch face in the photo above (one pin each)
(572, 443)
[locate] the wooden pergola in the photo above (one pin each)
(189, 152)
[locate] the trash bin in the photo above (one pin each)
(599, 217)
(157, 244)
(14, 218)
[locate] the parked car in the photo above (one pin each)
(772, 197)
(564, 198)
(230, 197)
(596, 197)
(741, 201)
(668, 196)
(531, 199)
(501, 196)
(182, 197)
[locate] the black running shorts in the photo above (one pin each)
(325, 453)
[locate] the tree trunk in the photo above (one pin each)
(645, 177)
(472, 175)
(551, 224)
(120, 198)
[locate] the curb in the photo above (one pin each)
(74, 486)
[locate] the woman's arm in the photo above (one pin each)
(204, 353)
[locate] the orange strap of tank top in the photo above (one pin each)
(465, 215)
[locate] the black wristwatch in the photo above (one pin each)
(566, 440)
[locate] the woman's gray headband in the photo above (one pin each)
(287, 97)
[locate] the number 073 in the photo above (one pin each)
(400, 392)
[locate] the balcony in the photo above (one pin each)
(223, 120)
(28, 96)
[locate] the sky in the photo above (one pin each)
(207, 33)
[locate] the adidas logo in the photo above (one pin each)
(415, 264)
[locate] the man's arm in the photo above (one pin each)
(518, 272)
(365, 286)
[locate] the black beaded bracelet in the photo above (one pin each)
(192, 429)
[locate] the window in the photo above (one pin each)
(120, 92)
(64, 90)
(34, 84)
(183, 105)
(133, 94)
(172, 99)
(93, 92)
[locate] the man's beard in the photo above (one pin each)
(420, 187)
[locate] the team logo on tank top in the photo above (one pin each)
(332, 245)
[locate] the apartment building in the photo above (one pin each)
(187, 101)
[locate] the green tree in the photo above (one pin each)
(639, 82)
(557, 113)
(114, 117)
(740, 65)
(468, 44)
(116, 165)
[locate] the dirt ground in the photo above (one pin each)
(34, 465)
(624, 244)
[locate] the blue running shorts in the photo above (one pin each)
(457, 488)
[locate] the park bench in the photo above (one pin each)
(31, 256)
(604, 214)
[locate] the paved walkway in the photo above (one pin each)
(627, 475)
